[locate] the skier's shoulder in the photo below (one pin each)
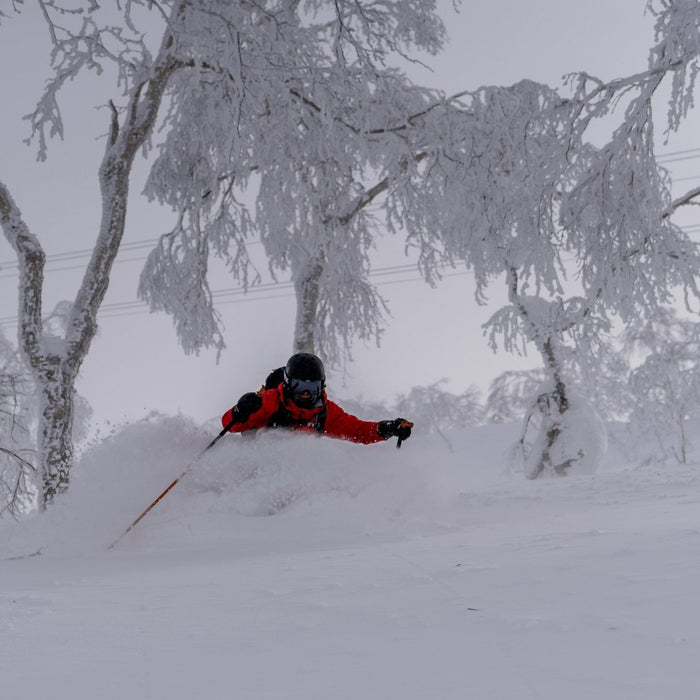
(271, 397)
(336, 411)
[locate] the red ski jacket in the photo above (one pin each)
(328, 419)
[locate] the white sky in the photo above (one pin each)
(135, 365)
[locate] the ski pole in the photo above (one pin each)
(171, 485)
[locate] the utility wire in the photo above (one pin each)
(245, 298)
(255, 293)
(684, 154)
(232, 295)
(84, 253)
(8, 265)
(10, 268)
(685, 179)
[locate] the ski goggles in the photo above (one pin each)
(301, 386)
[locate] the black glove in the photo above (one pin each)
(399, 427)
(247, 405)
(275, 378)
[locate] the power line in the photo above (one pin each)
(67, 256)
(679, 155)
(233, 295)
(11, 267)
(13, 275)
(685, 179)
(83, 253)
(229, 295)
(677, 160)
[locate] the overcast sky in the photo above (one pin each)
(135, 365)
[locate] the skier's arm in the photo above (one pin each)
(340, 424)
(242, 416)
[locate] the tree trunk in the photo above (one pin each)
(307, 289)
(552, 405)
(307, 275)
(55, 429)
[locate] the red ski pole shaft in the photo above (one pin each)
(145, 512)
(171, 486)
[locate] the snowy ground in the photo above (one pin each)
(296, 568)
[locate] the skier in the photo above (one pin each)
(294, 397)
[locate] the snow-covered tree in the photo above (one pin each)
(552, 441)
(665, 383)
(580, 233)
(312, 205)
(435, 410)
(548, 325)
(305, 138)
(510, 395)
(500, 178)
(55, 361)
(220, 74)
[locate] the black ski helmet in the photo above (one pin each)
(304, 379)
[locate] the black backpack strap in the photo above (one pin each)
(321, 420)
(282, 419)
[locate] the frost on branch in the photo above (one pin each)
(90, 38)
(677, 51)
(328, 259)
(337, 304)
(301, 110)
(629, 254)
(435, 410)
(510, 395)
(581, 233)
(664, 384)
(485, 190)
(174, 280)
(313, 205)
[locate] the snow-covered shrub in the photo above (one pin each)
(555, 442)
(17, 473)
(434, 410)
(665, 385)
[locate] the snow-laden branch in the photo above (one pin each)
(115, 174)
(686, 199)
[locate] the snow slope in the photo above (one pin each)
(294, 568)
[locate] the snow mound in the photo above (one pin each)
(111, 481)
(365, 489)
(279, 491)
